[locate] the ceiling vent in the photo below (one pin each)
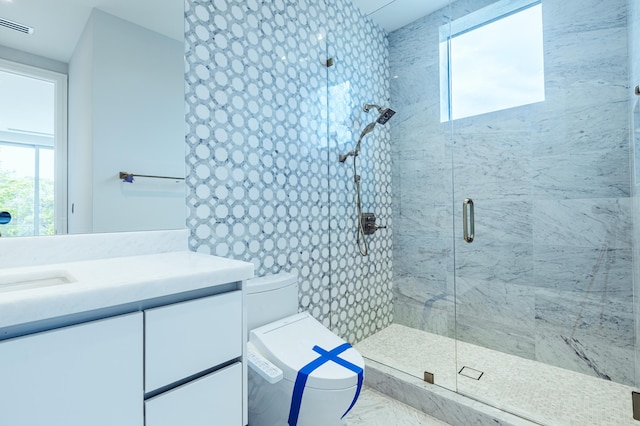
(12, 25)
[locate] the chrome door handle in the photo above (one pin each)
(467, 223)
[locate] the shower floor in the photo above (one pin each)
(530, 389)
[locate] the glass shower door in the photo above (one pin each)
(544, 291)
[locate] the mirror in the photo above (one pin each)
(125, 65)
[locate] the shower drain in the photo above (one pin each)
(471, 373)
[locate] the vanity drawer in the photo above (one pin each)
(190, 337)
(215, 399)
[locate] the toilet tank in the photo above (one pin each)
(271, 298)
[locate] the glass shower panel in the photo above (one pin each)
(421, 339)
(544, 293)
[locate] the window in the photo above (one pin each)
(491, 60)
(32, 150)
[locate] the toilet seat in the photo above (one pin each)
(288, 343)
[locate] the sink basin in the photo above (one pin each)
(34, 280)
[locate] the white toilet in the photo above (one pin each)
(300, 372)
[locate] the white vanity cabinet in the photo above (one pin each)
(86, 374)
(150, 340)
(188, 338)
(192, 348)
(215, 399)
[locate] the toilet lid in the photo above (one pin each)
(289, 342)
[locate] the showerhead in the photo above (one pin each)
(385, 115)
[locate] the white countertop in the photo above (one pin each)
(104, 283)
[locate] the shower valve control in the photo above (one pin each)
(368, 221)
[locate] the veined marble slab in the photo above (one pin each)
(560, 16)
(597, 222)
(604, 271)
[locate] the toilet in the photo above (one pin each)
(300, 372)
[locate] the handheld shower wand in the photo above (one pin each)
(384, 114)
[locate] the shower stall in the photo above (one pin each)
(517, 120)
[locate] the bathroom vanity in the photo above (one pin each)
(153, 340)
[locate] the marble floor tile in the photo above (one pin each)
(376, 409)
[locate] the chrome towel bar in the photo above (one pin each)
(128, 177)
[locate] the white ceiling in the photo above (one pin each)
(59, 23)
(394, 14)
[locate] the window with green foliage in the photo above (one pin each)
(32, 115)
(26, 189)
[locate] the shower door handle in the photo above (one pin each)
(467, 222)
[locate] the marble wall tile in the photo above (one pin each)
(435, 315)
(497, 301)
(595, 223)
(588, 332)
(634, 46)
(496, 335)
(496, 315)
(421, 171)
(492, 166)
(585, 353)
(422, 221)
(409, 87)
(422, 257)
(636, 273)
(561, 17)
(634, 112)
(594, 270)
(550, 182)
(610, 318)
(511, 120)
(570, 135)
(409, 44)
(601, 62)
(599, 174)
(459, 8)
(495, 262)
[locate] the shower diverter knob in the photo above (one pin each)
(368, 221)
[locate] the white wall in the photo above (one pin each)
(132, 106)
(32, 60)
(80, 131)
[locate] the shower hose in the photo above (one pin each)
(361, 239)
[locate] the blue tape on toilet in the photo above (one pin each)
(303, 375)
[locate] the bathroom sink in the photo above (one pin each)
(34, 280)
